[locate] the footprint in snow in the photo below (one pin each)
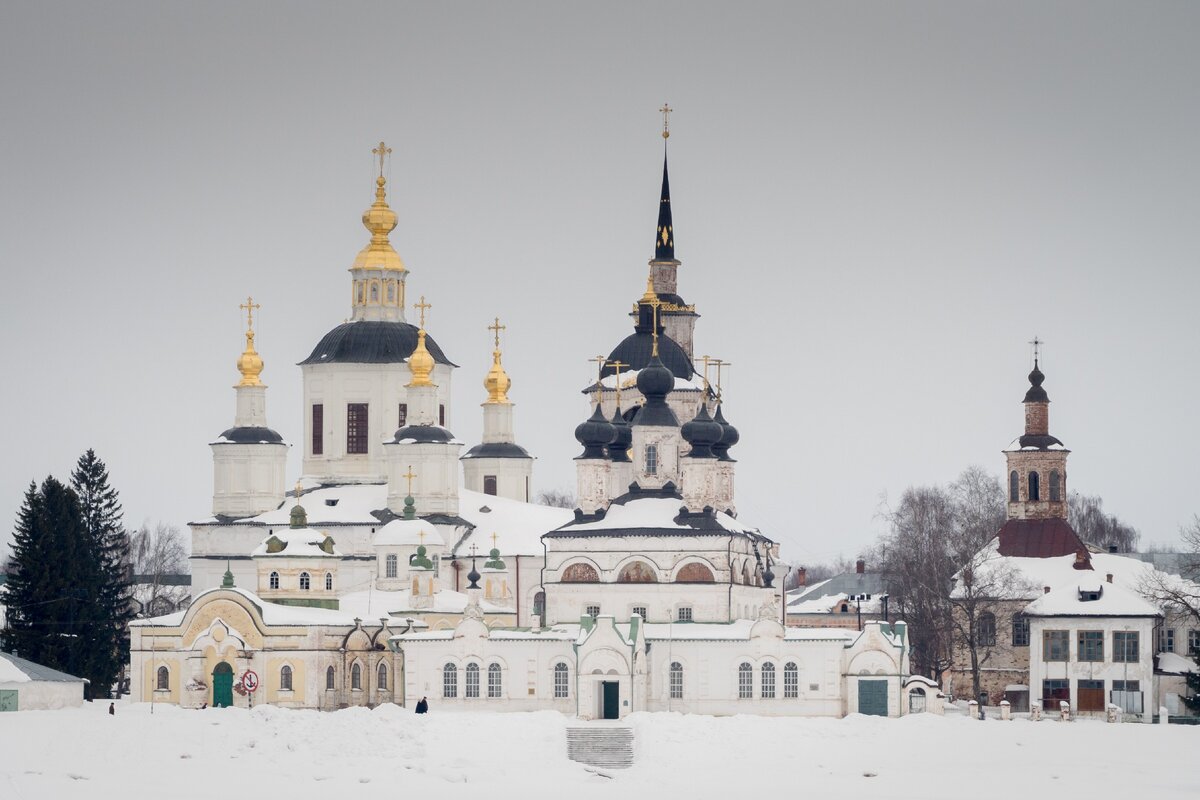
(185, 755)
(75, 777)
(870, 774)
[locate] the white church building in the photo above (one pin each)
(406, 565)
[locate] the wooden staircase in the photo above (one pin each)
(601, 745)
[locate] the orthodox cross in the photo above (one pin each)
(1037, 348)
(421, 537)
(707, 386)
(666, 112)
(474, 550)
(422, 306)
(720, 364)
(299, 491)
(250, 307)
(495, 538)
(617, 365)
(495, 328)
(600, 362)
(409, 476)
(654, 304)
(383, 151)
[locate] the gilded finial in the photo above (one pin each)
(380, 220)
(600, 361)
(666, 112)
(617, 366)
(422, 307)
(383, 151)
(250, 364)
(420, 363)
(707, 386)
(497, 381)
(299, 490)
(719, 363)
(654, 304)
(409, 477)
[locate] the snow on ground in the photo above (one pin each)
(85, 753)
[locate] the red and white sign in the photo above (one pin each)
(250, 680)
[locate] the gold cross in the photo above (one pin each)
(299, 491)
(409, 475)
(707, 360)
(422, 305)
(250, 307)
(617, 365)
(495, 537)
(383, 151)
(421, 536)
(720, 364)
(666, 112)
(654, 304)
(600, 362)
(496, 327)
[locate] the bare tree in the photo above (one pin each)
(1087, 517)
(559, 498)
(158, 555)
(1179, 593)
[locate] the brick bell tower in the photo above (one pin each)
(1037, 461)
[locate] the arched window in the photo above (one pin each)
(329, 581)
(449, 681)
(374, 292)
(768, 681)
(539, 604)
(305, 582)
(580, 573)
(791, 680)
(381, 676)
(694, 573)
(391, 291)
(745, 681)
(285, 678)
(1035, 492)
(675, 680)
(472, 680)
(1055, 485)
(489, 485)
(637, 572)
(164, 679)
(390, 566)
(986, 629)
(562, 683)
(274, 580)
(651, 459)
(1014, 487)
(330, 677)
(356, 677)
(494, 680)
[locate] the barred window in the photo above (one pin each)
(274, 580)
(472, 680)
(285, 678)
(986, 629)
(640, 611)
(329, 678)
(676, 680)
(745, 681)
(356, 677)
(381, 676)
(390, 566)
(685, 614)
(1091, 645)
(305, 582)
(494, 680)
(318, 429)
(1020, 630)
(1125, 646)
(449, 681)
(562, 684)
(356, 428)
(1056, 645)
(164, 679)
(791, 680)
(403, 416)
(768, 681)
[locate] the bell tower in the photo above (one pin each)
(378, 274)
(1037, 462)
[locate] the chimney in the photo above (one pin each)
(1046, 590)
(860, 566)
(801, 577)
(1109, 577)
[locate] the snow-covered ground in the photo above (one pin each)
(85, 753)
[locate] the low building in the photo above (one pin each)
(26, 686)
(843, 601)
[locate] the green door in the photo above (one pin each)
(8, 700)
(222, 686)
(873, 698)
(612, 700)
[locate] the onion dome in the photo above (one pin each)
(420, 363)
(594, 434)
(379, 220)
(421, 559)
(655, 382)
(372, 342)
(473, 576)
(497, 381)
(729, 436)
(250, 363)
(299, 517)
(768, 577)
(227, 578)
(702, 432)
(618, 448)
(494, 561)
(1036, 393)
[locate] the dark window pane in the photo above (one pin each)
(318, 429)
(356, 428)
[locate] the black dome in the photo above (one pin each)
(497, 450)
(655, 382)
(423, 434)
(372, 342)
(594, 434)
(702, 433)
(635, 349)
(729, 436)
(1036, 393)
(250, 436)
(618, 448)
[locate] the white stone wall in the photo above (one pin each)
(248, 479)
(435, 482)
(513, 476)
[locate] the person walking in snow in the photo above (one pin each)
(422, 706)
(112, 709)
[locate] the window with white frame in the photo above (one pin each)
(472, 680)
(494, 680)
(651, 459)
(684, 615)
(305, 581)
(745, 681)
(592, 611)
(164, 679)
(768, 681)
(562, 682)
(1125, 646)
(791, 680)
(675, 680)
(356, 677)
(985, 629)
(1166, 640)
(285, 678)
(449, 681)
(390, 566)
(274, 580)
(1193, 642)
(1020, 630)
(640, 611)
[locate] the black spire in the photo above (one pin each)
(664, 240)
(1036, 393)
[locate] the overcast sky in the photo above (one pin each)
(876, 206)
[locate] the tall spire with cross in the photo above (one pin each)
(250, 364)
(497, 381)
(378, 273)
(420, 363)
(664, 238)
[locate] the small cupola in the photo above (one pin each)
(702, 432)
(594, 434)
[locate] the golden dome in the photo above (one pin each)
(250, 364)
(380, 220)
(497, 381)
(420, 363)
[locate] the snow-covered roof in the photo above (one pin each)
(1015, 445)
(1175, 664)
(14, 669)
(652, 513)
(408, 532)
(823, 596)
(629, 381)
(450, 440)
(1110, 600)
(738, 630)
(518, 526)
(350, 504)
(297, 543)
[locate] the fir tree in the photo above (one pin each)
(108, 542)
